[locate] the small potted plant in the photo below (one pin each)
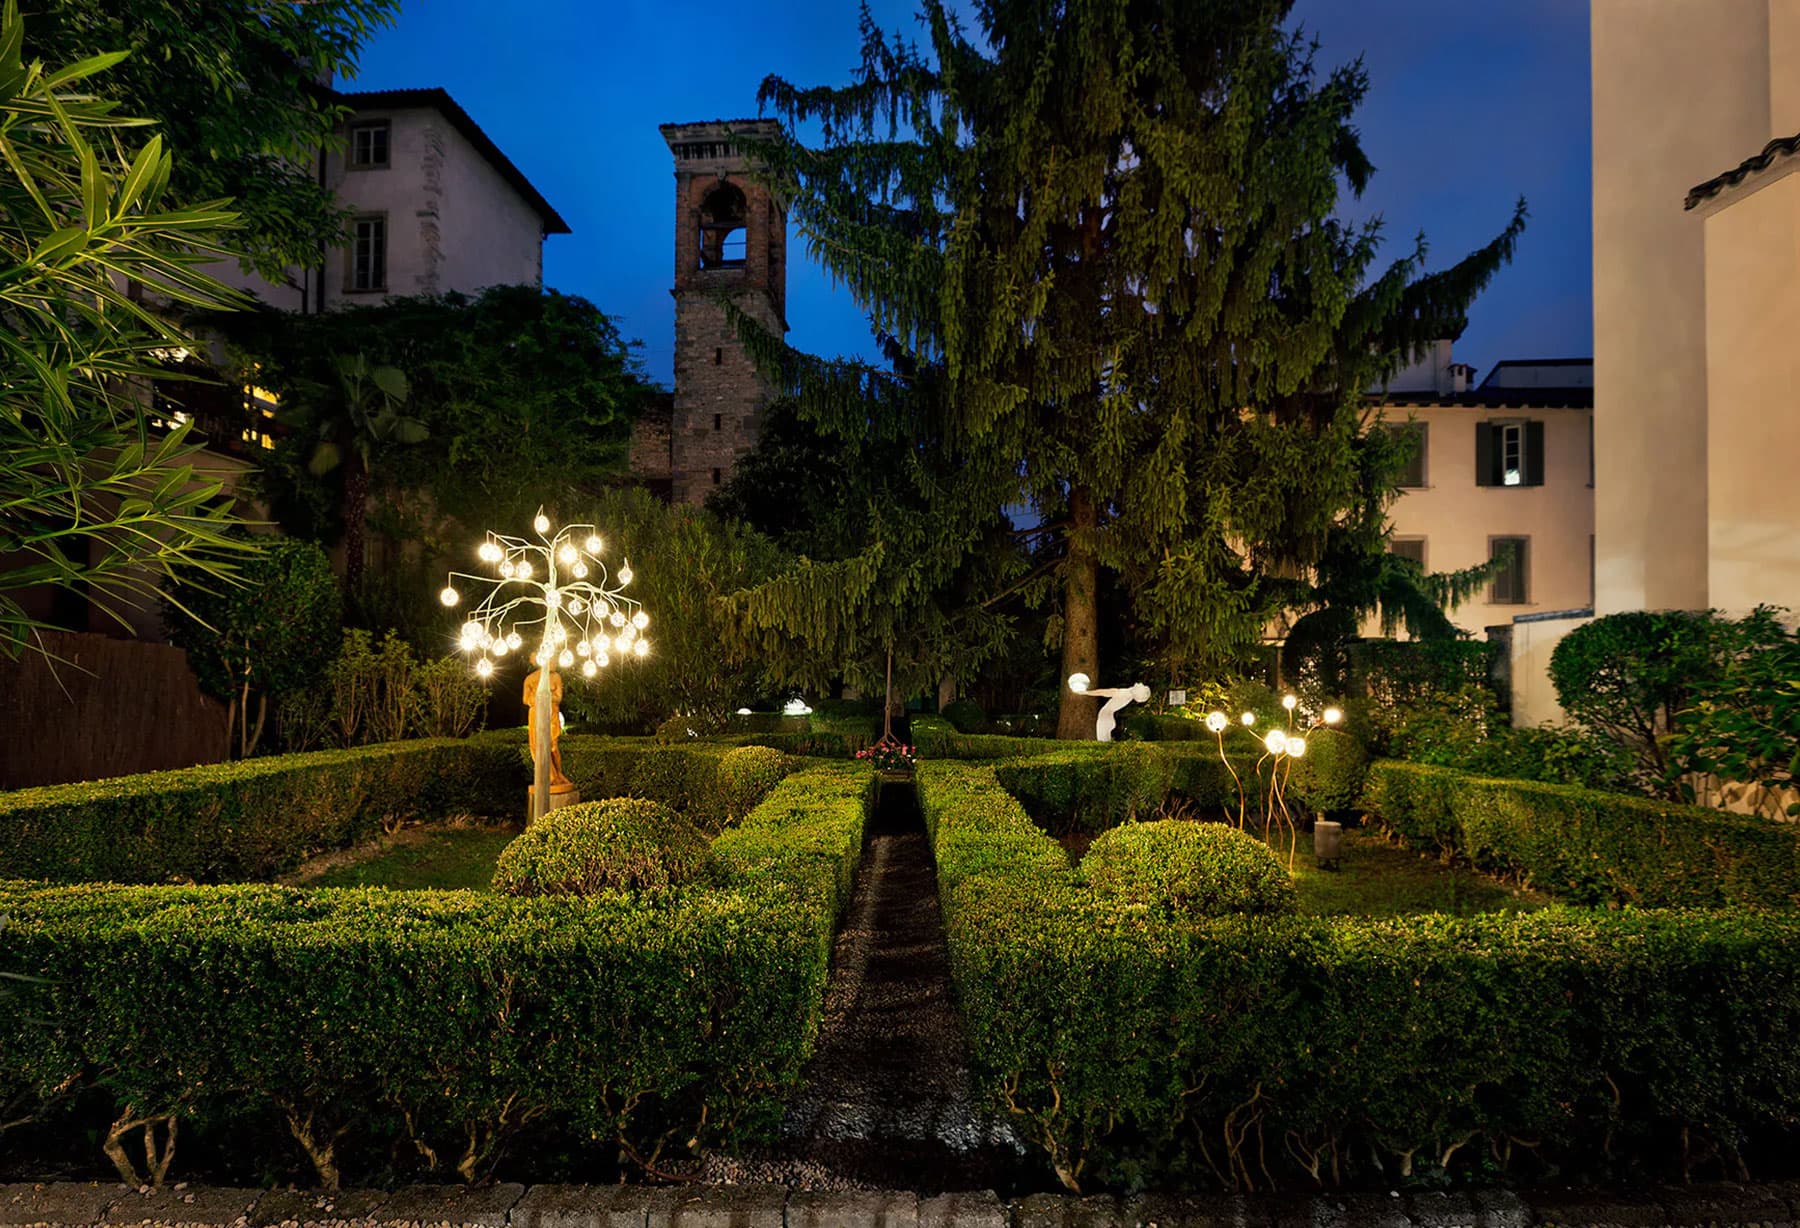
(890, 757)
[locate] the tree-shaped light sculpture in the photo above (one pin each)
(554, 599)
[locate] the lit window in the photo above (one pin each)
(1512, 454)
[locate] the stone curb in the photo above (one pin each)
(85, 1205)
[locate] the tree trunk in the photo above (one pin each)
(1081, 619)
(887, 701)
(356, 511)
(262, 715)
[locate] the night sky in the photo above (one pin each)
(1470, 105)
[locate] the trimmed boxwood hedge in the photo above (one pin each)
(618, 844)
(248, 820)
(1587, 846)
(1132, 1050)
(452, 1016)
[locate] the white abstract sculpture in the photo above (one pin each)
(1117, 698)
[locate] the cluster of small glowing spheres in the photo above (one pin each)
(1275, 741)
(1216, 721)
(1295, 748)
(565, 560)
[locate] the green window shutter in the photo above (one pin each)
(1487, 456)
(1534, 454)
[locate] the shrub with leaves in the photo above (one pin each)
(745, 777)
(372, 691)
(1744, 726)
(450, 701)
(1175, 868)
(621, 844)
(262, 639)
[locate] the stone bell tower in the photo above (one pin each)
(731, 240)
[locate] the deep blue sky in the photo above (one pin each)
(1470, 106)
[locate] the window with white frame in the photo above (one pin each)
(369, 144)
(368, 253)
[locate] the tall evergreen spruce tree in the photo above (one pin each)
(1112, 225)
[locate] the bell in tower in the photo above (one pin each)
(731, 243)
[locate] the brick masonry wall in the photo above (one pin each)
(719, 395)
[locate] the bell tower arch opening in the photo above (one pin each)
(730, 246)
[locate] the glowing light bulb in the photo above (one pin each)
(514, 639)
(490, 552)
(588, 668)
(484, 667)
(640, 620)
(603, 660)
(565, 658)
(1333, 716)
(501, 648)
(593, 543)
(472, 630)
(600, 646)
(627, 634)
(1276, 742)
(566, 555)
(449, 596)
(507, 569)
(1289, 702)
(554, 598)
(1296, 748)
(1248, 719)
(523, 570)
(616, 619)
(642, 648)
(1216, 722)
(583, 648)
(1079, 683)
(580, 570)
(577, 606)
(625, 574)
(541, 523)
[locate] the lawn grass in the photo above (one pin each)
(1377, 879)
(423, 859)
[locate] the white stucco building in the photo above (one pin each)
(436, 206)
(1503, 464)
(1696, 215)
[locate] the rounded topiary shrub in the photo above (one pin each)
(622, 843)
(1177, 868)
(746, 775)
(966, 715)
(1329, 776)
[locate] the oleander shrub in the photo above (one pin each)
(1176, 869)
(745, 776)
(1329, 777)
(1134, 1049)
(252, 819)
(966, 715)
(620, 844)
(1587, 846)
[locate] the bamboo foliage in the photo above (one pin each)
(93, 496)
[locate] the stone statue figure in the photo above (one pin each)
(558, 782)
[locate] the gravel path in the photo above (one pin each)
(887, 1099)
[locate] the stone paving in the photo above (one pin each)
(77, 1205)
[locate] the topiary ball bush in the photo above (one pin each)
(746, 776)
(1329, 776)
(620, 844)
(966, 715)
(1175, 868)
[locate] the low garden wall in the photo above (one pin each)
(443, 1021)
(1234, 1049)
